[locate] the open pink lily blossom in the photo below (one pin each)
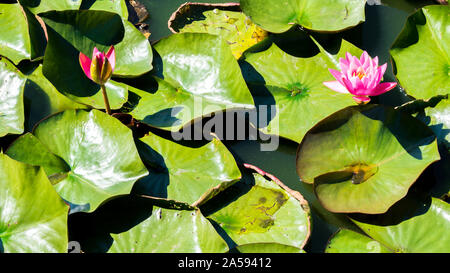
(360, 77)
(101, 67)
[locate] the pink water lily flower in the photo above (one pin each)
(101, 67)
(360, 77)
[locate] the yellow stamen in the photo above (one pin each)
(360, 73)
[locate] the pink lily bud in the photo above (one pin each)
(101, 67)
(360, 77)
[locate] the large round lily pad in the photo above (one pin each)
(425, 232)
(33, 218)
(260, 210)
(170, 231)
(12, 83)
(295, 86)
(326, 15)
(185, 174)
(88, 156)
(422, 53)
(365, 158)
(191, 79)
(225, 20)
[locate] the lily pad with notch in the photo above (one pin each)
(191, 80)
(261, 209)
(225, 20)
(191, 175)
(88, 156)
(295, 86)
(327, 15)
(365, 158)
(421, 53)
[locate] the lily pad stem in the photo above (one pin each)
(105, 98)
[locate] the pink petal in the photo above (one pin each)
(336, 86)
(364, 57)
(381, 70)
(356, 61)
(375, 62)
(336, 74)
(383, 88)
(373, 81)
(361, 99)
(95, 52)
(111, 56)
(365, 60)
(358, 86)
(348, 57)
(348, 85)
(344, 65)
(85, 63)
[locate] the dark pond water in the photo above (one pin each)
(383, 24)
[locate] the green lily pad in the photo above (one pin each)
(12, 83)
(435, 113)
(426, 232)
(185, 174)
(326, 15)
(133, 54)
(118, 6)
(21, 36)
(295, 86)
(406, 5)
(41, 99)
(38, 6)
(170, 231)
(440, 121)
(262, 211)
(33, 218)
(347, 241)
(422, 53)
(88, 156)
(70, 32)
(365, 158)
(268, 248)
(191, 80)
(224, 20)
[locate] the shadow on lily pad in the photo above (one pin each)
(92, 230)
(156, 183)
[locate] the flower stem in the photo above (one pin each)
(105, 98)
